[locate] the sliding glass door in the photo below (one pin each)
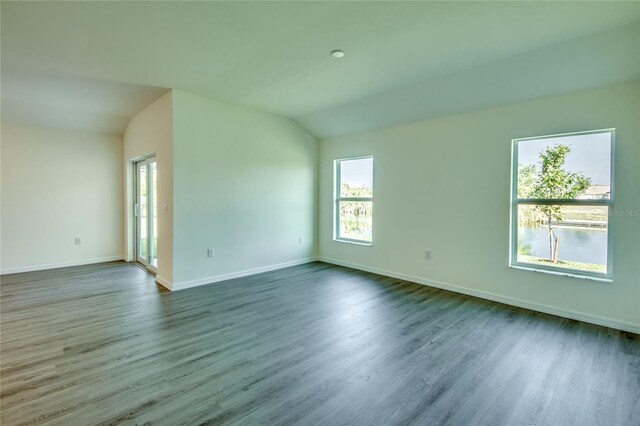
(146, 211)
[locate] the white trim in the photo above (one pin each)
(239, 274)
(559, 273)
(553, 310)
(59, 265)
(164, 282)
(356, 242)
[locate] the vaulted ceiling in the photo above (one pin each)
(92, 65)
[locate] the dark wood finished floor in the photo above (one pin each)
(311, 344)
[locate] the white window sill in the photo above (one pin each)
(356, 242)
(562, 273)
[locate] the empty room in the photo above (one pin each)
(320, 212)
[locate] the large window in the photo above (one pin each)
(562, 195)
(354, 200)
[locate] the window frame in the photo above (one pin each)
(515, 202)
(337, 198)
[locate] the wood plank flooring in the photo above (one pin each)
(311, 344)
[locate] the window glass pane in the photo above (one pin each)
(142, 215)
(575, 239)
(565, 167)
(356, 178)
(153, 258)
(355, 220)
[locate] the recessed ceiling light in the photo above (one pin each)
(337, 53)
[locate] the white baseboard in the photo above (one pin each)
(163, 282)
(566, 313)
(232, 275)
(59, 265)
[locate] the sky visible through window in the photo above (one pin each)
(590, 154)
(357, 173)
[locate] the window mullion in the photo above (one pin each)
(367, 199)
(562, 201)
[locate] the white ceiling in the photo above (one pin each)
(90, 66)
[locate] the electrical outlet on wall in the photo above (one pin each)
(210, 252)
(427, 255)
(78, 241)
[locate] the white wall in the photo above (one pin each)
(58, 185)
(444, 185)
(245, 185)
(151, 132)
